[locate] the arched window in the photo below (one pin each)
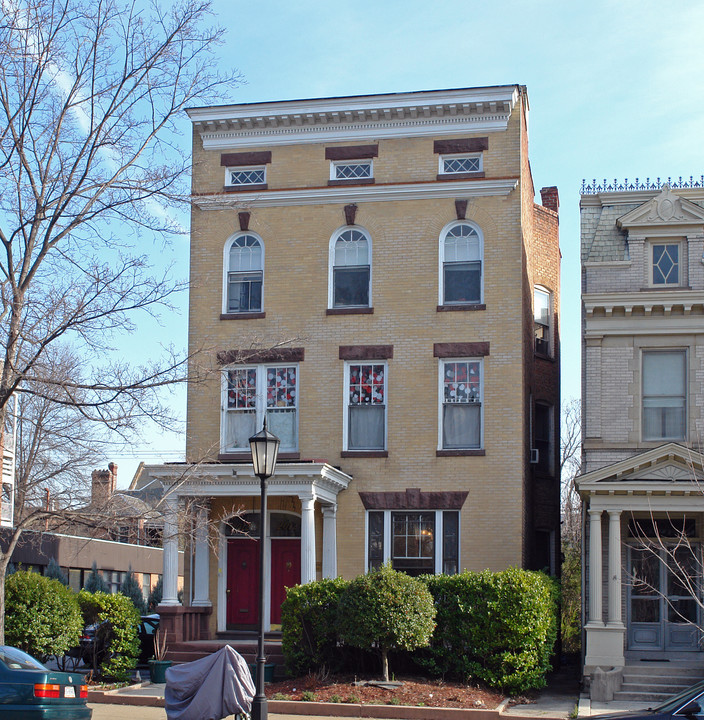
(244, 264)
(351, 269)
(461, 261)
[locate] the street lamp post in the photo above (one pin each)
(265, 449)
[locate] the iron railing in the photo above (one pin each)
(657, 184)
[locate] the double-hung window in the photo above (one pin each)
(461, 405)
(252, 392)
(541, 320)
(351, 269)
(664, 394)
(415, 542)
(365, 401)
(244, 258)
(461, 265)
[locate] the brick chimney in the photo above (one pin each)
(103, 484)
(550, 197)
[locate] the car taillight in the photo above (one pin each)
(83, 692)
(45, 690)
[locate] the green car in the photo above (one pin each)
(30, 691)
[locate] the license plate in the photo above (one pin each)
(70, 692)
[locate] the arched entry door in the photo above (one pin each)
(284, 570)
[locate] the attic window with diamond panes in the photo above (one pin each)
(665, 264)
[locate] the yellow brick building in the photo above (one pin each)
(373, 275)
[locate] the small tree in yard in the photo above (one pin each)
(131, 588)
(54, 571)
(42, 616)
(94, 582)
(386, 610)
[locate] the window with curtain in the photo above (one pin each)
(250, 392)
(366, 406)
(461, 395)
(351, 271)
(461, 265)
(245, 274)
(664, 394)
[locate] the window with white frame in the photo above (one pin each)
(351, 169)
(250, 392)
(541, 320)
(244, 263)
(350, 280)
(244, 176)
(365, 400)
(460, 164)
(665, 264)
(461, 265)
(461, 406)
(664, 394)
(415, 542)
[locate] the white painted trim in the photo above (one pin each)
(222, 580)
(226, 266)
(460, 156)
(360, 193)
(334, 164)
(441, 259)
(331, 262)
(243, 168)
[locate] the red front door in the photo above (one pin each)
(285, 572)
(242, 582)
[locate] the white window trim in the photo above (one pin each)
(439, 533)
(346, 403)
(331, 265)
(441, 262)
(334, 164)
(460, 156)
(680, 265)
(441, 396)
(243, 168)
(226, 267)
(260, 408)
(654, 350)
(542, 289)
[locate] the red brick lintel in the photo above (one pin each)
(461, 349)
(413, 499)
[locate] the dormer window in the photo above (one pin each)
(665, 264)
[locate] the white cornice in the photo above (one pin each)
(647, 300)
(439, 112)
(360, 193)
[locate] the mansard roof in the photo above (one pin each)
(667, 212)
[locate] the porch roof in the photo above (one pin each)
(302, 479)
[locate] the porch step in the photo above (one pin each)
(196, 649)
(654, 682)
(650, 697)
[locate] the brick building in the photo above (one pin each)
(643, 416)
(373, 274)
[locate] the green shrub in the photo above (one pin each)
(54, 571)
(571, 595)
(386, 610)
(124, 620)
(133, 590)
(499, 628)
(95, 582)
(155, 596)
(42, 616)
(309, 626)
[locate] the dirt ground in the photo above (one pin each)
(408, 691)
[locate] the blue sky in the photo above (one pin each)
(615, 91)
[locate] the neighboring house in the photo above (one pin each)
(373, 275)
(8, 439)
(643, 417)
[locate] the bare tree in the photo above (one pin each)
(90, 166)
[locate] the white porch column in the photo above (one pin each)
(615, 613)
(307, 539)
(595, 614)
(201, 560)
(330, 541)
(170, 552)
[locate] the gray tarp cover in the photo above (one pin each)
(210, 688)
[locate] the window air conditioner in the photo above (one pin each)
(534, 456)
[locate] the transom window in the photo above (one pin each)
(351, 170)
(245, 272)
(239, 176)
(250, 392)
(666, 263)
(461, 257)
(461, 411)
(414, 542)
(366, 406)
(664, 395)
(456, 164)
(351, 270)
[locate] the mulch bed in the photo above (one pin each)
(412, 691)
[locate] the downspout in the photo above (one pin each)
(583, 573)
